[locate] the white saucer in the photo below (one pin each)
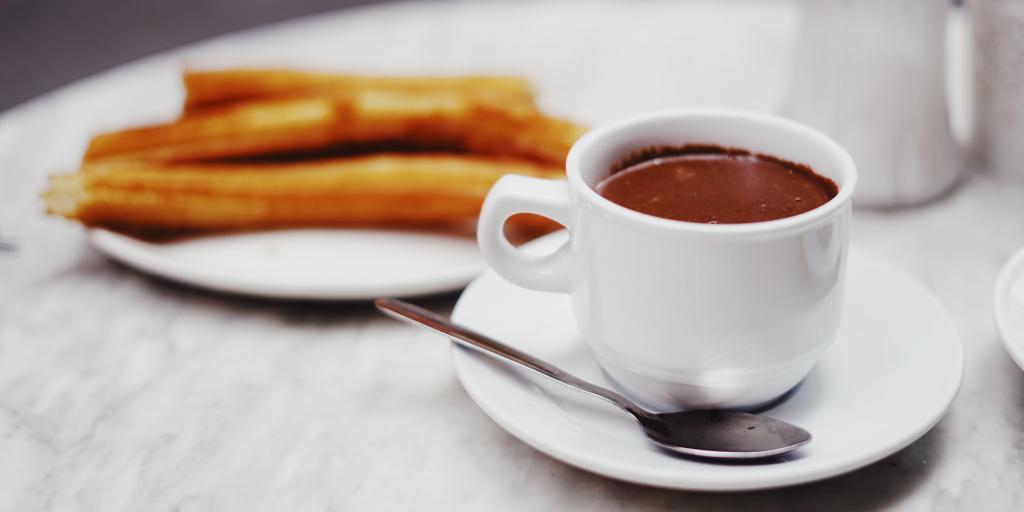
(325, 264)
(888, 378)
(1009, 306)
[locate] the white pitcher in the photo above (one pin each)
(871, 74)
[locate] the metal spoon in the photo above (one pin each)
(710, 434)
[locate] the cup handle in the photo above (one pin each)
(514, 194)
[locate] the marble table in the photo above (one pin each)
(124, 392)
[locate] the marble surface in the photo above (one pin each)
(123, 392)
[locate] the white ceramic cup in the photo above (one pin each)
(683, 314)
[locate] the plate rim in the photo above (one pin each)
(131, 251)
(644, 475)
(999, 301)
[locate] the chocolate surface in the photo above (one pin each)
(714, 185)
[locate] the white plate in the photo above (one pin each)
(1009, 306)
(888, 378)
(324, 264)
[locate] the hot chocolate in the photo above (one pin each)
(714, 185)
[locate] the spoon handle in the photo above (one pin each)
(409, 312)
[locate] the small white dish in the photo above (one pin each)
(887, 379)
(320, 264)
(1009, 306)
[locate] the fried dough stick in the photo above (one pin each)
(205, 89)
(379, 190)
(437, 121)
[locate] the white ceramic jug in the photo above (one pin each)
(871, 74)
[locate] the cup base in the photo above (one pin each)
(740, 391)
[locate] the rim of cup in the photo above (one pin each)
(846, 182)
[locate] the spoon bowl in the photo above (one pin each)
(723, 434)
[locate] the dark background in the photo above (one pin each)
(47, 43)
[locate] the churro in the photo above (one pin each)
(380, 190)
(205, 89)
(447, 121)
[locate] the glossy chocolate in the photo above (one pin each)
(714, 185)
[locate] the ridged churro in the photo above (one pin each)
(258, 149)
(379, 190)
(448, 121)
(205, 89)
